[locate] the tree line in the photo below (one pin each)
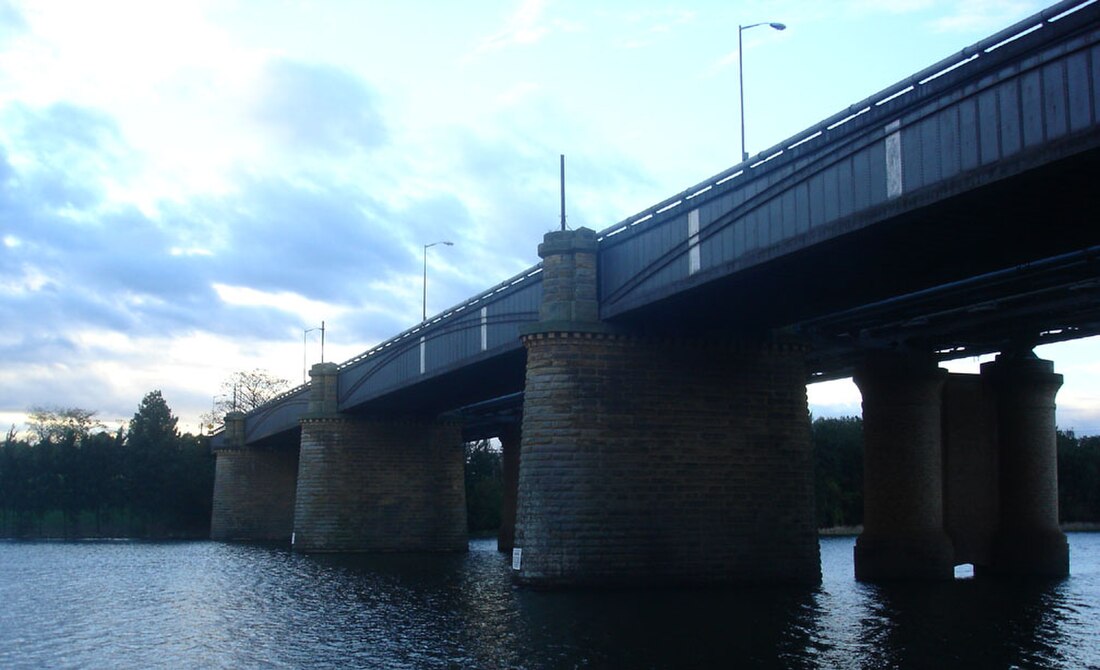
(71, 478)
(838, 474)
(838, 471)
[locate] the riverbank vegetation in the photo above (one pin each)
(70, 478)
(838, 470)
(484, 487)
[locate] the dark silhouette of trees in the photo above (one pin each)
(1078, 477)
(73, 479)
(838, 471)
(244, 391)
(484, 487)
(838, 460)
(57, 423)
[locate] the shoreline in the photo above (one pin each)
(835, 531)
(851, 531)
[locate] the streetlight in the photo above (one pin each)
(305, 332)
(214, 409)
(424, 315)
(741, 76)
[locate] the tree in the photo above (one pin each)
(484, 486)
(244, 391)
(148, 482)
(838, 470)
(1078, 477)
(153, 424)
(55, 424)
(150, 451)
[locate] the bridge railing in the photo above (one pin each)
(825, 131)
(835, 171)
(507, 305)
(486, 323)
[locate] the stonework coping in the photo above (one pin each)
(567, 329)
(1018, 368)
(400, 421)
(774, 345)
(560, 242)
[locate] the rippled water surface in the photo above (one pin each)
(209, 605)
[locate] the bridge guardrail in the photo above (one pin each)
(438, 320)
(816, 136)
(821, 130)
(412, 335)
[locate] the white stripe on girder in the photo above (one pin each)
(694, 261)
(484, 328)
(894, 182)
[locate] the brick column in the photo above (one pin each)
(254, 488)
(569, 292)
(648, 460)
(376, 485)
(510, 446)
(664, 461)
(903, 526)
(971, 502)
(1029, 541)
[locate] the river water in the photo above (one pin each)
(124, 604)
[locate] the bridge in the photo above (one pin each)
(647, 382)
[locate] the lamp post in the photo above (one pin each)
(305, 332)
(424, 304)
(741, 76)
(214, 411)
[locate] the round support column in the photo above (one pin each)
(903, 533)
(510, 445)
(1029, 541)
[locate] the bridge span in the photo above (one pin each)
(647, 382)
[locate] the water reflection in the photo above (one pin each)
(147, 605)
(975, 623)
(697, 628)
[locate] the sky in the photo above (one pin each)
(186, 188)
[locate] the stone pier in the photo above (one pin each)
(959, 469)
(371, 484)
(903, 529)
(971, 490)
(1029, 540)
(510, 447)
(254, 488)
(650, 460)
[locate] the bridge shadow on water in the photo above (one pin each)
(493, 623)
(462, 610)
(966, 624)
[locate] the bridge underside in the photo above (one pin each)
(962, 273)
(492, 377)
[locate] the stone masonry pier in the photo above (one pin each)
(959, 469)
(648, 460)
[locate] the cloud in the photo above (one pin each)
(649, 27)
(982, 15)
(68, 154)
(11, 21)
(971, 16)
(317, 107)
(861, 7)
(527, 25)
